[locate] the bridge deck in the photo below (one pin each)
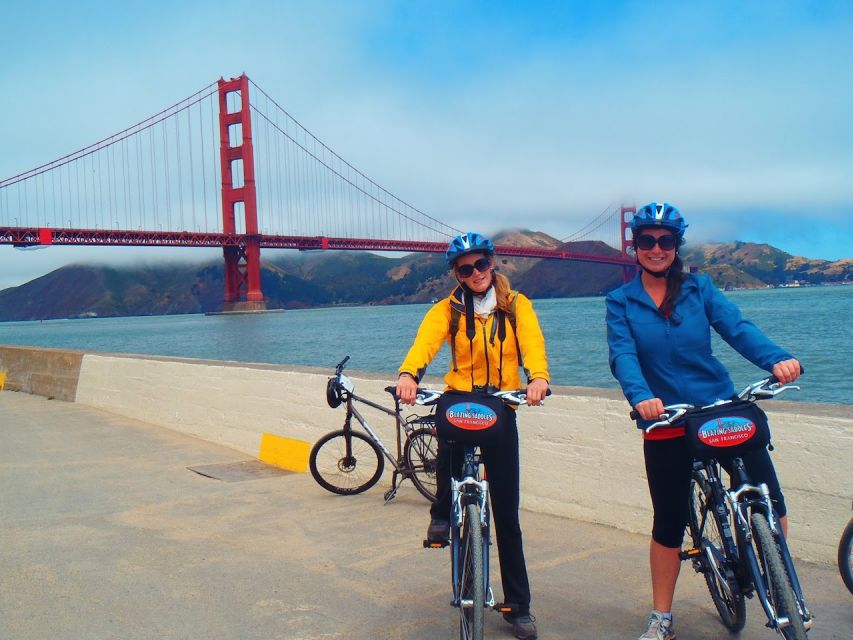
(105, 533)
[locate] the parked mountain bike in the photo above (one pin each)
(347, 461)
(845, 556)
(738, 544)
(470, 535)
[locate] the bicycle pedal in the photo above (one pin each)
(436, 544)
(503, 607)
(689, 554)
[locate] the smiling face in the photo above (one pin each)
(655, 259)
(478, 281)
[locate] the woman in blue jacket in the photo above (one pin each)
(659, 335)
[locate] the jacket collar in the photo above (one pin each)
(634, 290)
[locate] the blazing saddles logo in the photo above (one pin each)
(727, 431)
(471, 416)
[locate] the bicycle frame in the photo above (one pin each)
(469, 490)
(402, 425)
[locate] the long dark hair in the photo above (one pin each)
(674, 280)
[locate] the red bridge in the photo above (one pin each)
(273, 185)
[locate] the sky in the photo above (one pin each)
(486, 115)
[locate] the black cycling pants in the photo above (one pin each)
(502, 471)
(668, 469)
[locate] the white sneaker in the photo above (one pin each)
(659, 628)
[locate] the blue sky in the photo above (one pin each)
(487, 115)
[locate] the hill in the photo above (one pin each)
(296, 280)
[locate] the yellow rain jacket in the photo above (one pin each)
(486, 362)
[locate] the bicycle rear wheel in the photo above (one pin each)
(715, 562)
(776, 580)
(420, 454)
(346, 462)
(845, 556)
(472, 591)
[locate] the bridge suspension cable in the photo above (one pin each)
(307, 188)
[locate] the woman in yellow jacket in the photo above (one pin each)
(491, 329)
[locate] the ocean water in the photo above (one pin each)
(813, 323)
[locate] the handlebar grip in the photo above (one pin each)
(634, 415)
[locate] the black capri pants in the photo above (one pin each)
(668, 469)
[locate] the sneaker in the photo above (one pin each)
(659, 628)
(522, 626)
(439, 530)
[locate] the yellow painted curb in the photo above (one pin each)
(2, 379)
(286, 453)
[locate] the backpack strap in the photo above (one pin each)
(456, 314)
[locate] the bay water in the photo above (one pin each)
(813, 323)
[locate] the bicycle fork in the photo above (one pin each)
(742, 509)
(462, 493)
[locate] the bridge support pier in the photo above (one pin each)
(243, 262)
(625, 216)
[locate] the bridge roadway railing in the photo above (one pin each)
(581, 456)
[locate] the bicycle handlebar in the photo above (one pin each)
(514, 396)
(766, 388)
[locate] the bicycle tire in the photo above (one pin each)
(729, 601)
(420, 454)
(845, 556)
(471, 619)
(776, 579)
(333, 471)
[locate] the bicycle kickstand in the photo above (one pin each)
(392, 492)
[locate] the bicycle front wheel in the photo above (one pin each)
(716, 564)
(776, 580)
(346, 462)
(845, 556)
(420, 455)
(472, 591)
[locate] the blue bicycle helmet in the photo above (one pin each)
(658, 215)
(469, 242)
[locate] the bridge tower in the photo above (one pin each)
(625, 216)
(242, 262)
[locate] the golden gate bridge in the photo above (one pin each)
(229, 167)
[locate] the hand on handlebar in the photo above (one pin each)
(407, 389)
(787, 371)
(537, 389)
(651, 409)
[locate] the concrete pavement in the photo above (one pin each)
(105, 533)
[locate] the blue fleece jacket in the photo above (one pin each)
(671, 359)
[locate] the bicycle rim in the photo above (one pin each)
(777, 584)
(706, 530)
(845, 556)
(420, 455)
(346, 471)
(472, 594)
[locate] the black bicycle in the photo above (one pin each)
(738, 544)
(348, 462)
(470, 535)
(845, 556)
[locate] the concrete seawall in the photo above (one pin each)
(581, 456)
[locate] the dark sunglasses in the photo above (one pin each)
(467, 270)
(647, 242)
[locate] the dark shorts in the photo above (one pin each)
(668, 469)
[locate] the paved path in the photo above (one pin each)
(105, 533)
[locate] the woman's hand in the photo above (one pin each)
(787, 371)
(650, 409)
(536, 390)
(407, 388)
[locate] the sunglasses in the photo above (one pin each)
(467, 270)
(647, 242)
